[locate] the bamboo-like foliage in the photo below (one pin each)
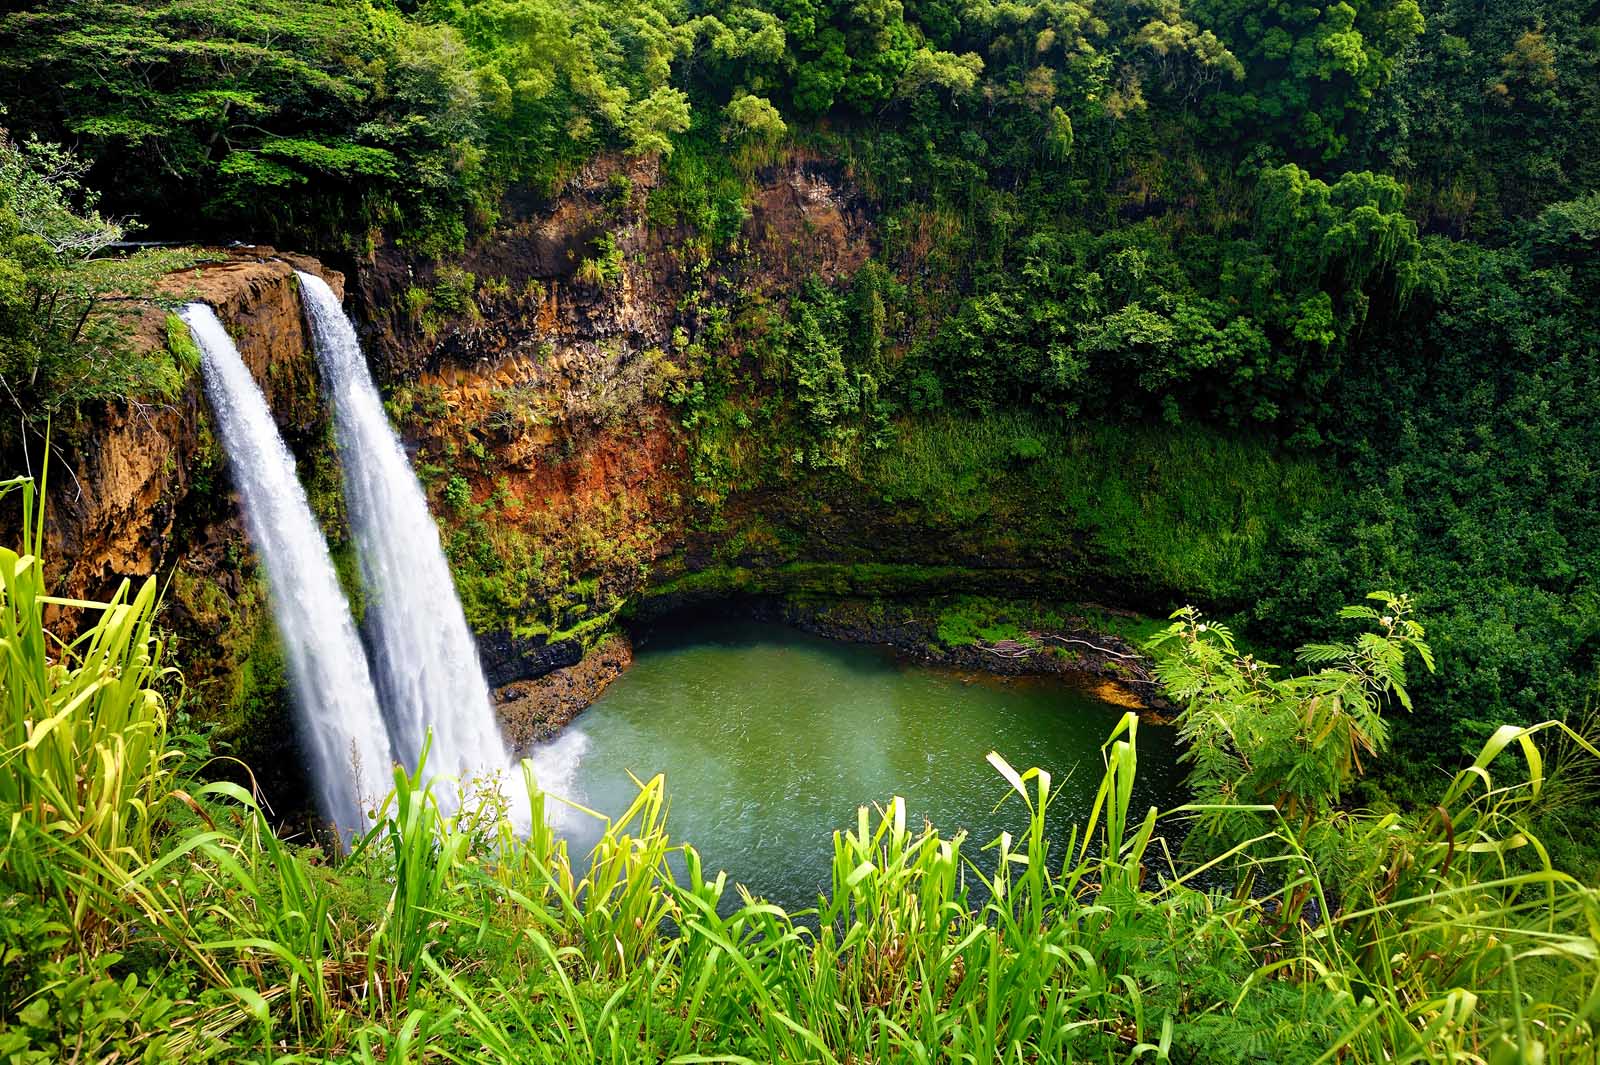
(1463, 939)
(84, 762)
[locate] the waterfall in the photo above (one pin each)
(341, 725)
(424, 655)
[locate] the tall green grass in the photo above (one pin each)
(84, 762)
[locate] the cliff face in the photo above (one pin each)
(547, 383)
(113, 508)
(538, 376)
(534, 303)
(531, 377)
(141, 489)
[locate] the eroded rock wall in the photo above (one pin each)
(117, 491)
(538, 379)
(537, 382)
(141, 489)
(527, 382)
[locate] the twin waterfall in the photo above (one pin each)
(424, 677)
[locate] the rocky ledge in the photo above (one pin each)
(1111, 667)
(112, 508)
(534, 710)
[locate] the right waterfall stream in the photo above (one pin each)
(425, 660)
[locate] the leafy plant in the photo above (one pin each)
(1297, 743)
(83, 734)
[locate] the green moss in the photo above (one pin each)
(234, 660)
(1136, 629)
(324, 483)
(347, 566)
(970, 620)
(532, 630)
(185, 352)
(817, 580)
(590, 629)
(262, 690)
(1186, 511)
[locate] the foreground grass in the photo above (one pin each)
(145, 918)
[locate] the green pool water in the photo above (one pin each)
(771, 738)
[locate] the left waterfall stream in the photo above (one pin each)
(341, 725)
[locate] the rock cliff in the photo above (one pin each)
(114, 506)
(542, 381)
(530, 377)
(536, 375)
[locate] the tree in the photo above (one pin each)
(1333, 249)
(1309, 70)
(63, 338)
(753, 117)
(299, 118)
(1294, 744)
(957, 74)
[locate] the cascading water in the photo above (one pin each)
(424, 656)
(341, 725)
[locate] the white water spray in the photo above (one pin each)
(424, 656)
(341, 726)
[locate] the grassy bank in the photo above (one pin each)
(1186, 508)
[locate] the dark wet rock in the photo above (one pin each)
(507, 658)
(534, 710)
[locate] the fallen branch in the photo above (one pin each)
(1085, 643)
(1008, 649)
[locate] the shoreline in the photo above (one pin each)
(1108, 665)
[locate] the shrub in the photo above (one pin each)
(458, 493)
(603, 269)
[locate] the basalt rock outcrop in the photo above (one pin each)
(116, 497)
(536, 709)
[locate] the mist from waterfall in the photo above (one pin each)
(424, 656)
(342, 728)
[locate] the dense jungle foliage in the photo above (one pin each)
(145, 915)
(1363, 233)
(1263, 300)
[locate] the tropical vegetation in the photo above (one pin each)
(150, 916)
(1362, 233)
(1237, 303)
